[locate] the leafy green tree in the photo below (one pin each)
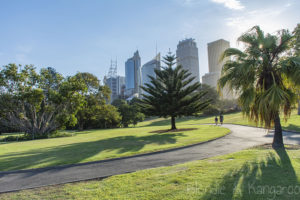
(37, 103)
(258, 73)
(172, 93)
(130, 112)
(95, 113)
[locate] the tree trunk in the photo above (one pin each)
(299, 107)
(173, 123)
(80, 125)
(277, 139)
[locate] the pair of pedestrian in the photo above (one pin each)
(221, 119)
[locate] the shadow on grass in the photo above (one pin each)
(292, 127)
(77, 152)
(167, 122)
(271, 178)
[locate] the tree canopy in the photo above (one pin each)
(40, 103)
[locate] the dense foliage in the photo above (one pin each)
(41, 103)
(130, 112)
(95, 112)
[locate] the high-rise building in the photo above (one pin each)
(111, 82)
(114, 82)
(187, 57)
(148, 70)
(116, 85)
(215, 50)
(120, 85)
(133, 75)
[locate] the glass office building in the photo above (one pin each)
(133, 75)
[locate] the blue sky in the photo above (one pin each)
(73, 35)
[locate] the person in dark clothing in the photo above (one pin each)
(221, 119)
(216, 120)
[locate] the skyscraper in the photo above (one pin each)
(111, 82)
(114, 82)
(148, 70)
(215, 50)
(187, 57)
(120, 85)
(133, 75)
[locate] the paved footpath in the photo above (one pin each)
(241, 137)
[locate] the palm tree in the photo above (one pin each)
(259, 74)
(172, 93)
(296, 52)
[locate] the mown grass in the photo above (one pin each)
(293, 123)
(257, 173)
(96, 145)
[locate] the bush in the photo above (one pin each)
(57, 134)
(211, 110)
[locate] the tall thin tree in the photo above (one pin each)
(172, 93)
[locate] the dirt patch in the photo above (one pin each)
(176, 130)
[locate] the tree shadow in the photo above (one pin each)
(270, 178)
(292, 127)
(167, 121)
(77, 152)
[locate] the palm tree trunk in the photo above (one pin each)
(299, 107)
(277, 139)
(173, 123)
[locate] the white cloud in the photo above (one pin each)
(231, 4)
(264, 17)
(269, 19)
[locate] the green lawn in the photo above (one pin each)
(98, 145)
(257, 173)
(293, 123)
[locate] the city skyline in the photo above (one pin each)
(74, 36)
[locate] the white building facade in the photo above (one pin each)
(148, 69)
(187, 57)
(215, 64)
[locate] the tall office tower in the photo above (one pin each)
(120, 85)
(133, 75)
(111, 80)
(215, 50)
(187, 57)
(148, 70)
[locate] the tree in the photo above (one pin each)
(130, 112)
(37, 103)
(210, 93)
(296, 52)
(258, 73)
(172, 93)
(95, 113)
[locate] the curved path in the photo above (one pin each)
(241, 137)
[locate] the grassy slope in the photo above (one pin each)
(293, 123)
(98, 145)
(258, 173)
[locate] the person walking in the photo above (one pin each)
(221, 119)
(216, 120)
